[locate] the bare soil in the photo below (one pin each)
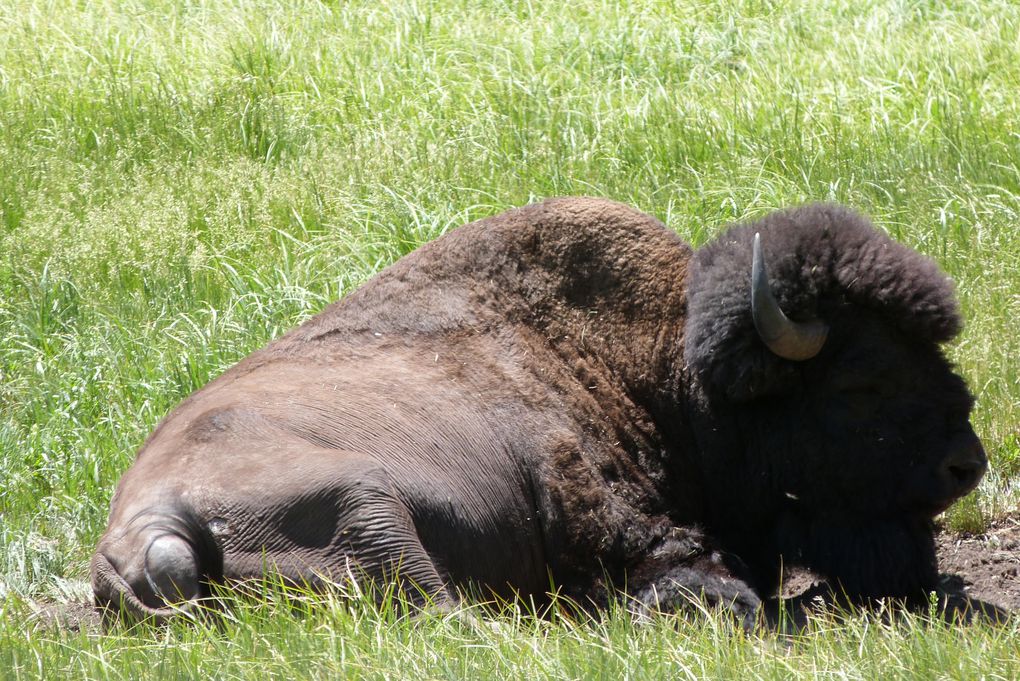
(980, 574)
(984, 566)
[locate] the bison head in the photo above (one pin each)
(831, 428)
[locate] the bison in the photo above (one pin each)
(567, 394)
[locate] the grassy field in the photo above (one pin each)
(180, 182)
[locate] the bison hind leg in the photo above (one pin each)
(352, 528)
(171, 569)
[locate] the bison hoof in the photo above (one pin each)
(172, 569)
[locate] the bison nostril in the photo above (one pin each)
(963, 473)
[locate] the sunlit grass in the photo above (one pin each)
(286, 632)
(181, 182)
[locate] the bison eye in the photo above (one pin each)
(863, 389)
(863, 398)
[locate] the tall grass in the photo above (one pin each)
(346, 637)
(180, 182)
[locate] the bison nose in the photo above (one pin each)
(962, 470)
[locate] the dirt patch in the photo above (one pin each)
(70, 615)
(984, 566)
(978, 572)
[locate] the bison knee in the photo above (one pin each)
(171, 568)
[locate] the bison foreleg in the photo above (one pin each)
(684, 573)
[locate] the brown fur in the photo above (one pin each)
(540, 337)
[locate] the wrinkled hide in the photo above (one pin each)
(567, 394)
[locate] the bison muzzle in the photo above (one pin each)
(568, 394)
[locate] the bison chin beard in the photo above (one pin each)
(865, 561)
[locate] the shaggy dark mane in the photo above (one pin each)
(819, 256)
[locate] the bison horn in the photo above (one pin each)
(797, 341)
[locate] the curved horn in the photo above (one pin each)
(797, 341)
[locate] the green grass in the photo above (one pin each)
(288, 634)
(180, 182)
